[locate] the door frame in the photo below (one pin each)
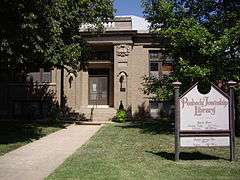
(108, 85)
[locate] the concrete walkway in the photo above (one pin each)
(38, 159)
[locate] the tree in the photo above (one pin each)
(202, 36)
(46, 32)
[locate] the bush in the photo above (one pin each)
(121, 107)
(55, 113)
(121, 116)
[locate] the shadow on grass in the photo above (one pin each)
(161, 126)
(238, 132)
(186, 156)
(13, 132)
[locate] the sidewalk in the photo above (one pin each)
(38, 159)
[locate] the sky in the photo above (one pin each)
(128, 7)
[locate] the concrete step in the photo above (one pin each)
(98, 114)
(92, 122)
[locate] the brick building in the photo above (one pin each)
(123, 54)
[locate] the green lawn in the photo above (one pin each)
(16, 134)
(145, 151)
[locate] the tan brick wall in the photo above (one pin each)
(56, 78)
(83, 88)
(70, 90)
(138, 67)
(72, 93)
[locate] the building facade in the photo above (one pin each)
(121, 56)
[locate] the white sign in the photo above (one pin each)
(204, 141)
(94, 87)
(199, 112)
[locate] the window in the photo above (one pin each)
(155, 69)
(40, 75)
(154, 66)
(155, 55)
(155, 63)
(167, 68)
(159, 64)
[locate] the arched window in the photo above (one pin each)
(123, 81)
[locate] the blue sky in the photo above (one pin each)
(128, 7)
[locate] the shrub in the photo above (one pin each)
(55, 113)
(121, 116)
(121, 107)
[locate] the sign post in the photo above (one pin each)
(176, 86)
(231, 85)
(204, 120)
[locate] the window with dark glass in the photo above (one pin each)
(154, 66)
(155, 63)
(159, 63)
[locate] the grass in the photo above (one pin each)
(145, 151)
(16, 134)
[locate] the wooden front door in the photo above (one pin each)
(98, 90)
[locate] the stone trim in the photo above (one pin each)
(123, 50)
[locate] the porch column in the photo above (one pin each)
(84, 88)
